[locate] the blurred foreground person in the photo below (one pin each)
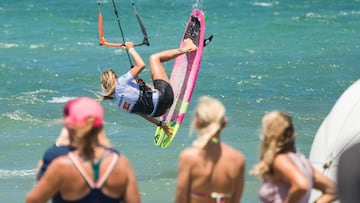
(91, 173)
(210, 171)
(287, 176)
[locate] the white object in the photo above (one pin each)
(339, 130)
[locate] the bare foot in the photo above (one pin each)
(189, 46)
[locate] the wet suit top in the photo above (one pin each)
(153, 102)
(95, 195)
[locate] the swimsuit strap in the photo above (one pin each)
(103, 178)
(81, 169)
(220, 197)
(96, 169)
(96, 166)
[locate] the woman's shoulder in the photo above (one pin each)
(190, 153)
(231, 151)
(122, 161)
(281, 159)
(284, 164)
(111, 149)
(60, 163)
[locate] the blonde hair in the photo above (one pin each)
(277, 136)
(108, 83)
(209, 119)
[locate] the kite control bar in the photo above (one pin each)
(102, 39)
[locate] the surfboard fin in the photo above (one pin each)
(208, 40)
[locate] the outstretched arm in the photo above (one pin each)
(157, 122)
(139, 62)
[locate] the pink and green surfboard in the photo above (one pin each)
(183, 78)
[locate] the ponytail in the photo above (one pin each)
(108, 83)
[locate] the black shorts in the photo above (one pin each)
(166, 97)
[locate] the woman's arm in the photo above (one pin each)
(183, 178)
(139, 62)
(157, 122)
(325, 185)
(285, 168)
(132, 194)
(48, 184)
(239, 188)
(38, 168)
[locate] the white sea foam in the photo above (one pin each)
(265, 4)
(33, 97)
(85, 43)
(198, 4)
(4, 173)
(60, 99)
(119, 51)
(36, 46)
(39, 91)
(8, 45)
(19, 115)
(80, 21)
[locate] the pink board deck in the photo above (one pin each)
(183, 78)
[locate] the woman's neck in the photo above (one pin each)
(214, 144)
(86, 154)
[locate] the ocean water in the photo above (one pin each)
(295, 56)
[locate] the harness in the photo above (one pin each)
(144, 103)
(141, 84)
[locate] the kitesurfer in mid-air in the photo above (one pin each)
(133, 95)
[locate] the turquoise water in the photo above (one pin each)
(296, 56)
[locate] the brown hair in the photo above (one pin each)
(90, 140)
(108, 82)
